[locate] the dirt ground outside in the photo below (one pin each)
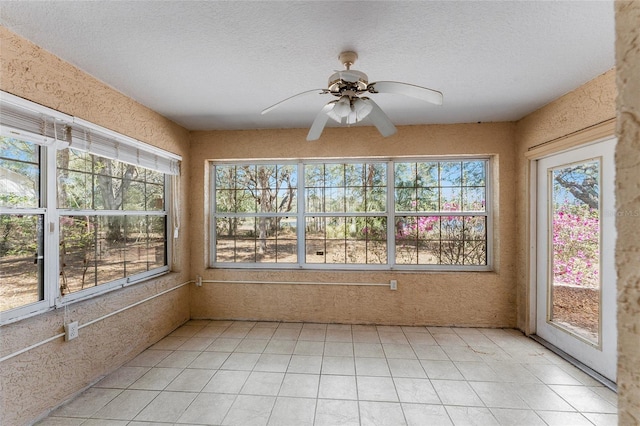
(578, 309)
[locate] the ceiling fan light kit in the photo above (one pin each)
(350, 108)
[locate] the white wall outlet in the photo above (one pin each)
(71, 331)
(393, 284)
(198, 281)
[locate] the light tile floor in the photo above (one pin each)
(248, 373)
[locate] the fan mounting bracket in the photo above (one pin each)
(348, 58)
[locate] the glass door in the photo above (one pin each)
(576, 281)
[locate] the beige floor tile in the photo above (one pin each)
(167, 407)
(396, 350)
(397, 338)
(338, 349)
(286, 333)
(456, 392)
(250, 410)
(240, 361)
(300, 385)
(471, 416)
(374, 413)
(210, 360)
(584, 399)
(557, 418)
(338, 387)
(429, 352)
(283, 347)
(87, 403)
(541, 397)
(309, 348)
(149, 358)
(372, 367)
(376, 389)
(602, 419)
(365, 336)
(448, 339)
(425, 414)
(509, 417)
(308, 364)
(126, 405)
(477, 371)
(191, 380)
(498, 395)
(337, 412)
(293, 412)
(262, 383)
(342, 365)
(313, 334)
(179, 359)
(420, 338)
(196, 344)
(253, 346)
(229, 382)
(419, 391)
(461, 353)
(207, 408)
(339, 335)
(368, 350)
(170, 343)
(261, 333)
(406, 368)
(441, 370)
(275, 363)
(224, 344)
(156, 379)
(122, 378)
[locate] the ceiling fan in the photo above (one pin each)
(348, 85)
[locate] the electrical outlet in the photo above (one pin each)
(71, 331)
(198, 281)
(393, 285)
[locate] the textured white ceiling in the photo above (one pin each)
(217, 64)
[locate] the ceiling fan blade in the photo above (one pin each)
(380, 119)
(274, 106)
(411, 90)
(321, 120)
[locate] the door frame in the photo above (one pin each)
(592, 134)
(602, 132)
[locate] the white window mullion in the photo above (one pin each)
(51, 228)
(301, 218)
(391, 234)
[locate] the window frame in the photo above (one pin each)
(389, 213)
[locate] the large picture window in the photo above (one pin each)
(83, 210)
(419, 214)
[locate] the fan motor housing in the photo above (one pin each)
(338, 83)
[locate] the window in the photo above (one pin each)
(112, 220)
(82, 209)
(419, 214)
(21, 223)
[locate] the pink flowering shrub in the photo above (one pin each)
(576, 245)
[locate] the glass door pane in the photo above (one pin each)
(575, 299)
